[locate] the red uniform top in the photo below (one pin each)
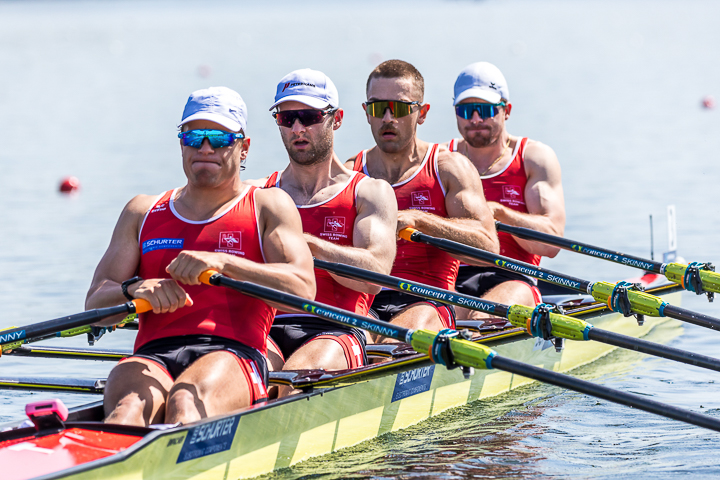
(216, 311)
(507, 187)
(333, 220)
(423, 191)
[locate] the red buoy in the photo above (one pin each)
(69, 185)
(708, 102)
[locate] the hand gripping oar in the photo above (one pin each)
(50, 327)
(447, 349)
(620, 297)
(696, 277)
(539, 321)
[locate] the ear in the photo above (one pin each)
(367, 117)
(338, 118)
(508, 108)
(244, 148)
(423, 113)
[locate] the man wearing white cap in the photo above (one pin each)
(438, 193)
(201, 352)
(347, 218)
(521, 180)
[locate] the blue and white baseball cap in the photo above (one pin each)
(307, 86)
(481, 80)
(217, 104)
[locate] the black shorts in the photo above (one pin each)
(477, 281)
(389, 303)
(175, 354)
(291, 332)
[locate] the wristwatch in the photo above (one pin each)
(124, 285)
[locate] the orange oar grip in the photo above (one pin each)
(205, 276)
(142, 305)
(406, 232)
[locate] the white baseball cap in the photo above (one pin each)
(307, 86)
(481, 80)
(217, 104)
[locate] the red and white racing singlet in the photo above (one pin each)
(422, 191)
(334, 221)
(507, 187)
(216, 311)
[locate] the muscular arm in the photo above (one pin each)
(543, 198)
(289, 266)
(120, 263)
(373, 235)
(469, 219)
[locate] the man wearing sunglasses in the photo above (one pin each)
(520, 178)
(201, 351)
(347, 218)
(438, 193)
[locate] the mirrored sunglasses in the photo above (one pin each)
(310, 116)
(485, 110)
(217, 138)
(397, 108)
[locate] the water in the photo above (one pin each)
(94, 89)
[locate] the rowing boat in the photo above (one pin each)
(335, 411)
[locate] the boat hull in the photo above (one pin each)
(279, 434)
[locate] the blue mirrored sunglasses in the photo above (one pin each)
(217, 138)
(485, 110)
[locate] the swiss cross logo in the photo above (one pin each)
(421, 198)
(335, 225)
(231, 240)
(512, 193)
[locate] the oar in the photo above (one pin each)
(539, 321)
(696, 277)
(50, 327)
(618, 297)
(447, 349)
(53, 384)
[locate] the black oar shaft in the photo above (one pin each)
(415, 288)
(650, 348)
(333, 314)
(691, 317)
(63, 323)
(606, 393)
(584, 248)
(506, 263)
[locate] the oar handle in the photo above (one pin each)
(205, 276)
(141, 305)
(406, 233)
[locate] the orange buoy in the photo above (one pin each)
(708, 102)
(69, 185)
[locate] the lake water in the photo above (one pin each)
(95, 90)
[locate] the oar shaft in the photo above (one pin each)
(503, 262)
(415, 288)
(688, 316)
(327, 312)
(606, 393)
(650, 348)
(71, 321)
(584, 248)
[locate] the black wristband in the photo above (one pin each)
(124, 285)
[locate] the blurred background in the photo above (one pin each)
(623, 91)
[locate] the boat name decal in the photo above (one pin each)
(12, 336)
(413, 382)
(162, 244)
(209, 438)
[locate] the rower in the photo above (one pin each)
(438, 193)
(347, 217)
(201, 352)
(521, 181)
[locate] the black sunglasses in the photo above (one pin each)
(310, 116)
